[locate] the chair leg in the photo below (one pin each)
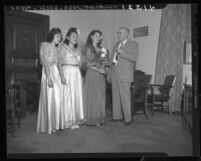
(18, 117)
(12, 121)
(152, 110)
(152, 107)
(185, 122)
(145, 111)
(161, 105)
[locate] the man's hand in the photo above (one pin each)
(119, 51)
(98, 65)
(109, 79)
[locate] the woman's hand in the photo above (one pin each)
(101, 59)
(50, 83)
(98, 65)
(106, 63)
(63, 80)
(101, 70)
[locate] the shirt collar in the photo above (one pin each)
(125, 41)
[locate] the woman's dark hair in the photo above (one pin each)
(53, 32)
(70, 31)
(89, 40)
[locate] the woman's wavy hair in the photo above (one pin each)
(70, 31)
(52, 32)
(89, 39)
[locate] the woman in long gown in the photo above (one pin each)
(95, 80)
(69, 66)
(50, 108)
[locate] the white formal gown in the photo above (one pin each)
(72, 91)
(50, 111)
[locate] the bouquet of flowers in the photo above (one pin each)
(104, 59)
(103, 52)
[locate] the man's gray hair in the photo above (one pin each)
(125, 28)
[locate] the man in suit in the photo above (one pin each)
(124, 55)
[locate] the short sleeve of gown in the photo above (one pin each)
(46, 54)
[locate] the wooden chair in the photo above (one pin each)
(163, 93)
(13, 104)
(139, 93)
(187, 106)
(33, 91)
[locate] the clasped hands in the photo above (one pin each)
(50, 82)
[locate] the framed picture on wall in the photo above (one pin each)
(187, 52)
(141, 31)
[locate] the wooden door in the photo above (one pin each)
(23, 33)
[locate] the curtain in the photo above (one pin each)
(170, 49)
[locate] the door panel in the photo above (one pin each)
(25, 37)
(24, 32)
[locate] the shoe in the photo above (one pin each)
(68, 126)
(83, 124)
(75, 127)
(127, 123)
(116, 120)
(54, 131)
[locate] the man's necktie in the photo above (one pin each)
(117, 56)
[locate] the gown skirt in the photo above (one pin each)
(95, 97)
(50, 111)
(73, 96)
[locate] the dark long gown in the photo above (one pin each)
(95, 90)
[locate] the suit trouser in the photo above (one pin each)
(121, 99)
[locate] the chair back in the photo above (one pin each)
(138, 77)
(147, 82)
(169, 82)
(12, 90)
(148, 79)
(9, 77)
(142, 82)
(138, 72)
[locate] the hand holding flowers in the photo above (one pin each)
(103, 52)
(104, 57)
